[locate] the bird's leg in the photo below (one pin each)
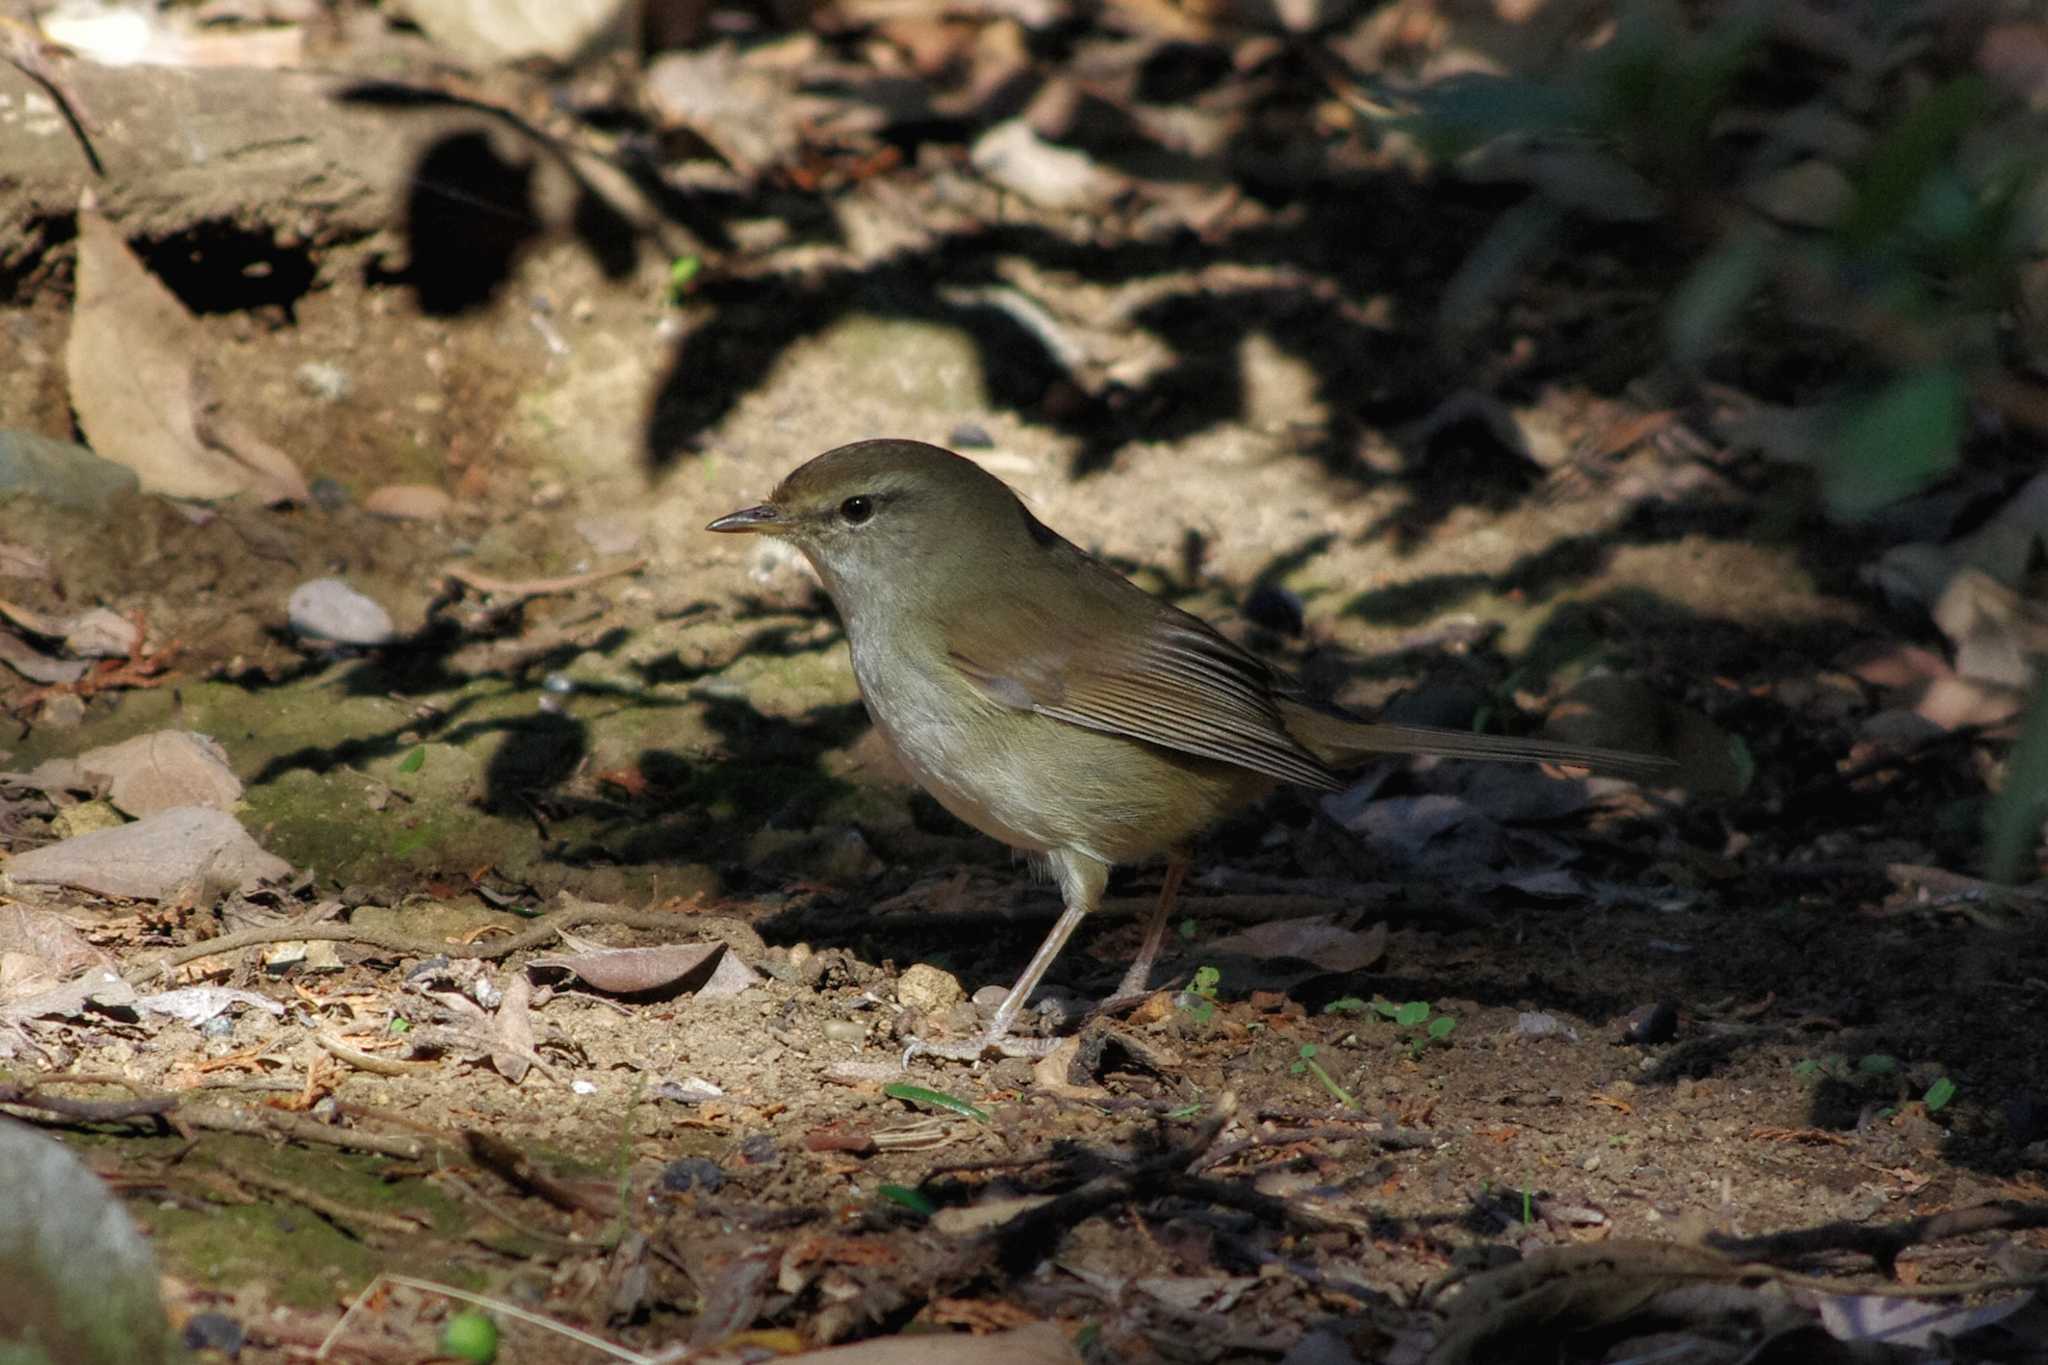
(1081, 880)
(1139, 977)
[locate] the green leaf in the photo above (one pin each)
(1349, 1004)
(1714, 295)
(1807, 1067)
(1939, 1094)
(1412, 1013)
(1486, 275)
(1462, 112)
(1897, 442)
(2012, 822)
(1386, 1008)
(1441, 1026)
(937, 1099)
(1186, 1111)
(908, 1198)
(682, 273)
(1877, 1064)
(1899, 166)
(413, 761)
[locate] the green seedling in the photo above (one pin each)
(682, 276)
(1310, 1066)
(1415, 1016)
(1199, 999)
(1939, 1094)
(1188, 929)
(1350, 1004)
(1186, 1111)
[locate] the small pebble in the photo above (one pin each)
(329, 609)
(1534, 1024)
(971, 436)
(928, 989)
(213, 1332)
(1656, 1023)
(328, 494)
(844, 1031)
(692, 1173)
(324, 380)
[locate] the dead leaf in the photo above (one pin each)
(151, 858)
(130, 362)
(19, 561)
(36, 666)
(1040, 1344)
(47, 937)
(631, 971)
(514, 1024)
(1313, 940)
(195, 1005)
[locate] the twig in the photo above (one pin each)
(542, 931)
(537, 587)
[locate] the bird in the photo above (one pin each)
(1051, 703)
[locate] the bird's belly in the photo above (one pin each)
(1041, 784)
(954, 752)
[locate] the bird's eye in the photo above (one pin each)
(856, 510)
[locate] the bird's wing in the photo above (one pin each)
(1160, 675)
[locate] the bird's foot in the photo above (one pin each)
(975, 1048)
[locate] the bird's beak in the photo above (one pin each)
(766, 519)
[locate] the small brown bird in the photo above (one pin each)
(1048, 701)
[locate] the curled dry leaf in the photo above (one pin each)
(1041, 1343)
(131, 370)
(631, 971)
(1313, 940)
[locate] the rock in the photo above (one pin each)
(61, 472)
(324, 380)
(164, 770)
(1014, 157)
(82, 1286)
(329, 609)
(408, 502)
(928, 989)
(150, 858)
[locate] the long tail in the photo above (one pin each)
(1341, 742)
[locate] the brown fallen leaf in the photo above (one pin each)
(630, 971)
(130, 363)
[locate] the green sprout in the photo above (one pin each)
(682, 275)
(1310, 1066)
(1412, 1016)
(1199, 999)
